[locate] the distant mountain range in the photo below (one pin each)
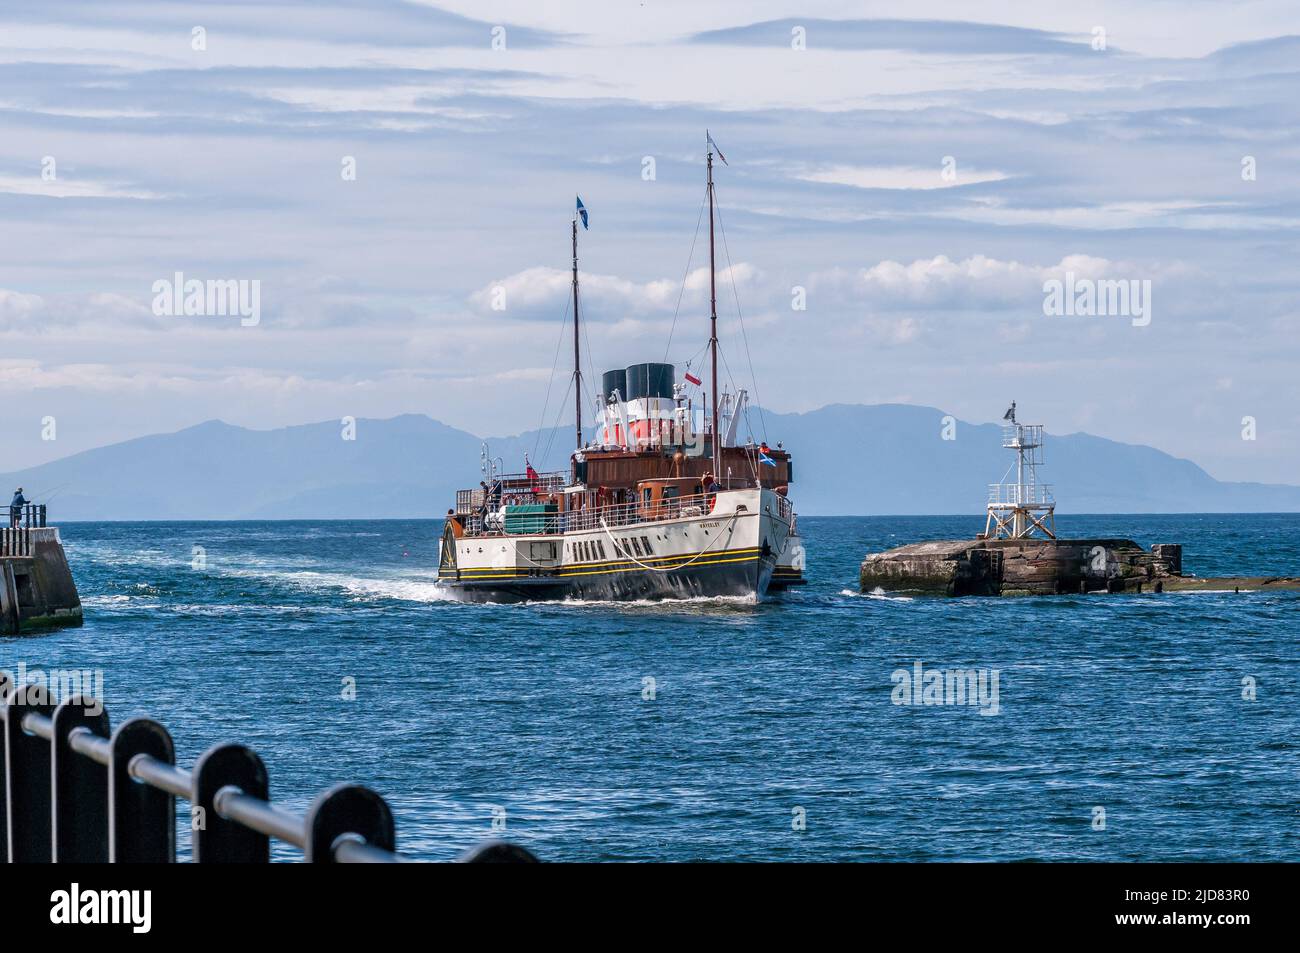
(849, 459)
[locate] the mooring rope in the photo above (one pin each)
(735, 515)
(618, 548)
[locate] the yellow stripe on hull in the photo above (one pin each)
(610, 566)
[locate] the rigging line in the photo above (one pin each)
(730, 377)
(750, 456)
(592, 388)
(704, 347)
(731, 271)
(686, 275)
(555, 428)
(541, 424)
(752, 459)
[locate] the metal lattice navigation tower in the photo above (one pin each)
(1023, 509)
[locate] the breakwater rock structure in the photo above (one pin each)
(1019, 552)
(1029, 566)
(36, 587)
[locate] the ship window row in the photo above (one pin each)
(589, 550)
(631, 545)
(627, 546)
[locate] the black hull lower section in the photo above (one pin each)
(742, 578)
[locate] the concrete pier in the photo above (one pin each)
(1035, 566)
(36, 587)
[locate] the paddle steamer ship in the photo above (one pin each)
(654, 505)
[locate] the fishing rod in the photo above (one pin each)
(51, 494)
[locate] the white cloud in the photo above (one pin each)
(977, 283)
(64, 188)
(544, 292)
(1184, 213)
(17, 307)
(34, 314)
(899, 177)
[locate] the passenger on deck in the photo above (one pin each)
(16, 507)
(710, 487)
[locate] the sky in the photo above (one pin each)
(399, 180)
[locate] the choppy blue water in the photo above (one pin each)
(1128, 703)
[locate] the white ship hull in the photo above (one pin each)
(730, 551)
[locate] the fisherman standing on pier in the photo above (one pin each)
(16, 507)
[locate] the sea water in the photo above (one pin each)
(1135, 727)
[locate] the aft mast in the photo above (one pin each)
(577, 362)
(713, 315)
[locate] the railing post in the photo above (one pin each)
(5, 684)
(347, 809)
(141, 818)
(80, 792)
(497, 852)
(217, 840)
(27, 778)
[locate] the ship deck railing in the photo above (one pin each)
(610, 515)
(512, 485)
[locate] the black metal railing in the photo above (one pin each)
(74, 792)
(26, 516)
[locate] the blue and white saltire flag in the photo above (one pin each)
(582, 212)
(764, 458)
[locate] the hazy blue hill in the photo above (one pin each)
(891, 459)
(849, 459)
(404, 466)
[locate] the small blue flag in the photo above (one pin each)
(582, 212)
(764, 458)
